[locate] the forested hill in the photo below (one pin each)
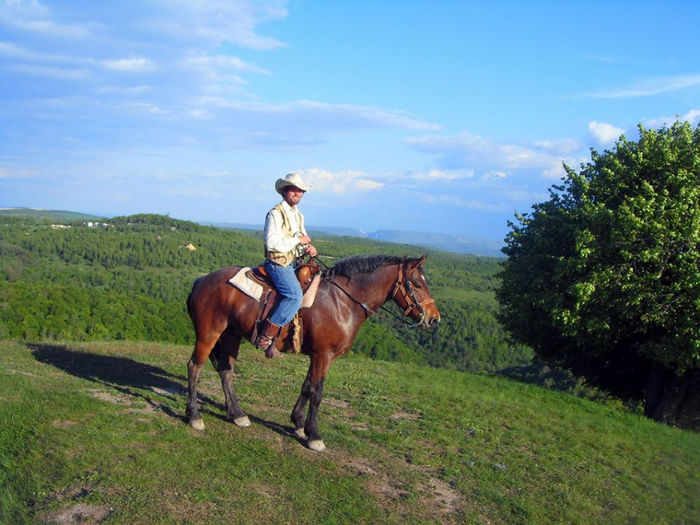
(128, 278)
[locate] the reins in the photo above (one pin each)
(399, 285)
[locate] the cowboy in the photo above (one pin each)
(285, 241)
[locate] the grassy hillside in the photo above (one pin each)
(94, 432)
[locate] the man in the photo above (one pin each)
(285, 240)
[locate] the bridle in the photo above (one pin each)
(404, 289)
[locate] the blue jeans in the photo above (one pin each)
(288, 290)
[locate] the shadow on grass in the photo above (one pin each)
(136, 380)
(125, 375)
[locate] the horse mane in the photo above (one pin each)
(355, 264)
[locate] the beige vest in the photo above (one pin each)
(285, 259)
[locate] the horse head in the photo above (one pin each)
(412, 295)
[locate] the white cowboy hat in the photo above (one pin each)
(292, 179)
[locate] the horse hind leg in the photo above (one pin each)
(225, 353)
(194, 369)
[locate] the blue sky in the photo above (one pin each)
(440, 116)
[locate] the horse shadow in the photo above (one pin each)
(136, 380)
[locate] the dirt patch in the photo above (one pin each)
(79, 513)
(384, 480)
(378, 483)
(342, 407)
(396, 416)
(359, 426)
(171, 393)
(63, 424)
(444, 495)
(360, 466)
(109, 397)
(20, 372)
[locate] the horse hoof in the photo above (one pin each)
(242, 421)
(316, 445)
(197, 424)
(299, 432)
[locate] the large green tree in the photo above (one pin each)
(604, 277)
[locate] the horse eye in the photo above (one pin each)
(416, 284)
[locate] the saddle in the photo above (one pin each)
(305, 274)
(290, 337)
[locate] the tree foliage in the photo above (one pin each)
(604, 277)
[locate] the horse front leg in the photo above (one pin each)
(226, 352)
(317, 376)
(298, 412)
(313, 437)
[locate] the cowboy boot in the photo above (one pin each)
(266, 336)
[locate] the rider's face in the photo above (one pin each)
(293, 195)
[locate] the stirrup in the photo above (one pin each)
(265, 343)
(266, 337)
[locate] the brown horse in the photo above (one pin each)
(352, 290)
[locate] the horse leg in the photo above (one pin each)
(298, 412)
(317, 375)
(227, 352)
(201, 351)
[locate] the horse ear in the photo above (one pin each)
(419, 262)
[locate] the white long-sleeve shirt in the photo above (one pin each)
(276, 238)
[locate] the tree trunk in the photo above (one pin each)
(673, 399)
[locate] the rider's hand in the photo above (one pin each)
(311, 251)
(304, 239)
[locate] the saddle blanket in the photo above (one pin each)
(246, 285)
(254, 289)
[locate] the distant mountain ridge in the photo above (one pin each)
(442, 241)
(40, 213)
(462, 244)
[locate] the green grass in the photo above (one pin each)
(95, 432)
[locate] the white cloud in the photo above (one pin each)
(494, 175)
(12, 50)
(32, 16)
(52, 72)
(304, 121)
(368, 184)
(338, 183)
(129, 65)
(474, 149)
(217, 21)
(131, 90)
(455, 200)
(200, 114)
(220, 75)
(692, 116)
(363, 115)
(556, 168)
(6, 173)
(470, 152)
(146, 107)
(559, 146)
(223, 62)
(604, 133)
(650, 87)
(9, 49)
(435, 175)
